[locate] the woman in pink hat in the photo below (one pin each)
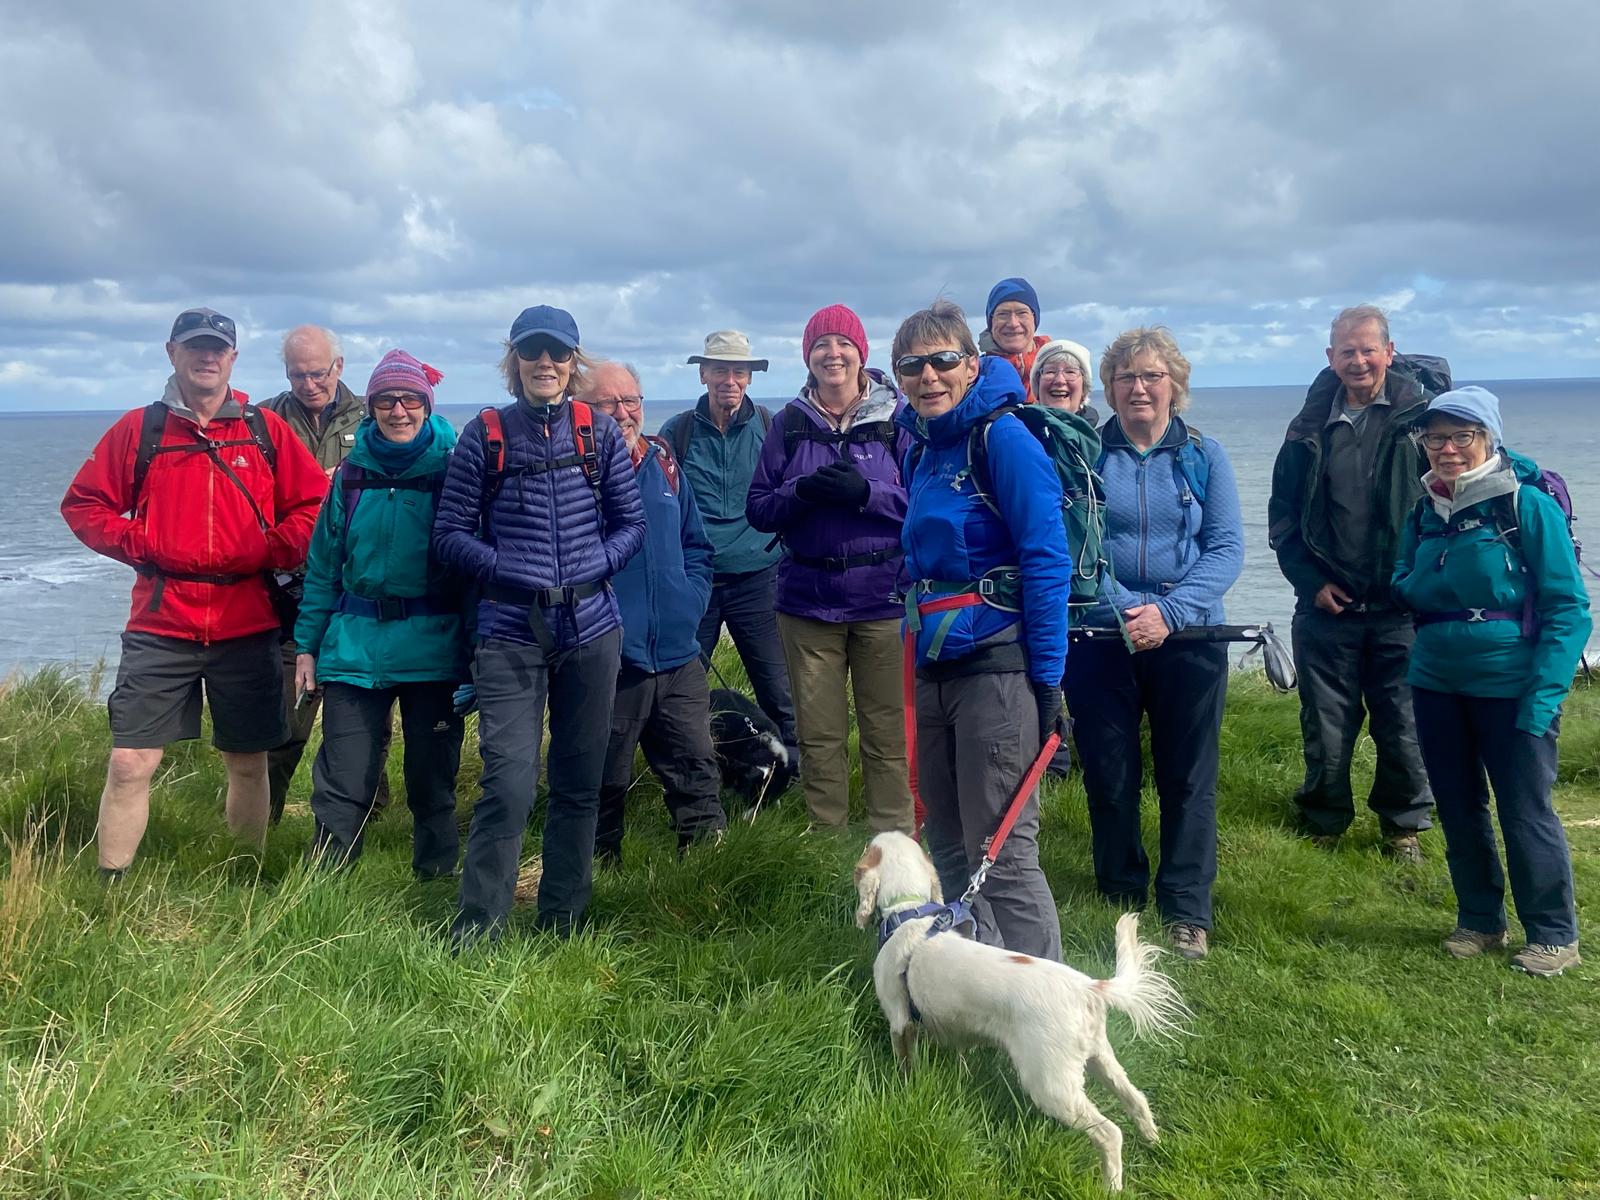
(828, 485)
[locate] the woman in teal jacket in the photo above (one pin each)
(379, 623)
(1488, 568)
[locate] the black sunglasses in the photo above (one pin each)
(405, 400)
(942, 360)
(529, 349)
(188, 322)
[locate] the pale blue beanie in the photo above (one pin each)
(1470, 403)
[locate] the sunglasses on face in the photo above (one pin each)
(190, 321)
(941, 360)
(388, 400)
(530, 349)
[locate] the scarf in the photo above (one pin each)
(394, 458)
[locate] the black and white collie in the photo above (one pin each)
(754, 761)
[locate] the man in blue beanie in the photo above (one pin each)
(1012, 318)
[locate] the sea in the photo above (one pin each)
(62, 604)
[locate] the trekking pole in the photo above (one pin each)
(992, 844)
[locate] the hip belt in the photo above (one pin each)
(161, 577)
(539, 599)
(392, 608)
(846, 562)
(1472, 616)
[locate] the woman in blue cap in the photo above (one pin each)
(540, 507)
(1489, 570)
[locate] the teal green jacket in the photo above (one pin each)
(384, 555)
(1476, 568)
(719, 467)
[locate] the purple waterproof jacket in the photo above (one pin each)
(839, 564)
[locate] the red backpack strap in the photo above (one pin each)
(669, 461)
(494, 441)
(583, 444)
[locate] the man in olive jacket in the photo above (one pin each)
(323, 413)
(1343, 488)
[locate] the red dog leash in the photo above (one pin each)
(992, 844)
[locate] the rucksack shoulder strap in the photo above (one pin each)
(669, 461)
(256, 423)
(678, 430)
(764, 415)
(152, 428)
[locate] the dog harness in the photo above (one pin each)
(955, 917)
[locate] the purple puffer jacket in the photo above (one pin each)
(839, 564)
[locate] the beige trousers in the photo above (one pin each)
(820, 656)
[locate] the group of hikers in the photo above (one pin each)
(958, 547)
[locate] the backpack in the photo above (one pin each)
(354, 480)
(153, 428)
(1191, 469)
(678, 429)
(669, 461)
(798, 427)
(1071, 444)
(494, 456)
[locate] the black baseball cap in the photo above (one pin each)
(204, 322)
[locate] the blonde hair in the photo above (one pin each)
(576, 382)
(1147, 339)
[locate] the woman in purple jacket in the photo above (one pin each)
(828, 484)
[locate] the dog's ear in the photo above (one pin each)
(935, 889)
(867, 883)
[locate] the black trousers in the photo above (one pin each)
(1353, 668)
(744, 603)
(1181, 687)
(668, 716)
(355, 743)
(1463, 739)
(514, 681)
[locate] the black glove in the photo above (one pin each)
(1047, 696)
(840, 484)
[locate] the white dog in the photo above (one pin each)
(1050, 1019)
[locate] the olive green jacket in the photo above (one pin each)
(331, 439)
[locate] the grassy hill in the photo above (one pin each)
(218, 1026)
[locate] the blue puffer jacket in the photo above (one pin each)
(664, 589)
(1165, 547)
(951, 535)
(543, 530)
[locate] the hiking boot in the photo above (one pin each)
(1403, 848)
(1469, 943)
(1325, 841)
(1187, 941)
(1537, 959)
(111, 875)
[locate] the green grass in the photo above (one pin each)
(219, 1027)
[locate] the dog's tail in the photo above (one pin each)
(1148, 997)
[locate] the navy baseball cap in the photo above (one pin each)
(554, 323)
(204, 322)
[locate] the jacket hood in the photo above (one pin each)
(231, 408)
(996, 386)
(1496, 477)
(432, 459)
(879, 403)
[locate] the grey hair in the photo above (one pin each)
(941, 321)
(596, 365)
(1360, 314)
(1152, 339)
(334, 343)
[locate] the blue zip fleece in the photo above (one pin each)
(663, 590)
(1476, 568)
(1165, 547)
(950, 534)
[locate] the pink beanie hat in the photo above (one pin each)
(836, 318)
(397, 371)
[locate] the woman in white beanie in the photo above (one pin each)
(1061, 378)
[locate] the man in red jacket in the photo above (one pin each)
(203, 496)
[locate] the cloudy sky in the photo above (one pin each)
(414, 174)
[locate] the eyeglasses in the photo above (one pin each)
(529, 349)
(1014, 312)
(1148, 378)
(607, 403)
(311, 376)
(188, 322)
(388, 400)
(941, 360)
(1460, 439)
(1065, 370)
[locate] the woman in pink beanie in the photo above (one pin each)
(828, 485)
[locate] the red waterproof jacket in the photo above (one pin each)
(192, 519)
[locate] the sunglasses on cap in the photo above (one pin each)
(188, 322)
(941, 360)
(529, 349)
(409, 401)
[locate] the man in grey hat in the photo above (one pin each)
(718, 443)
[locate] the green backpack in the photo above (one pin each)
(1073, 447)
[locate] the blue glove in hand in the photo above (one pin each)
(465, 699)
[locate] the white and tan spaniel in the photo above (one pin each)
(1050, 1019)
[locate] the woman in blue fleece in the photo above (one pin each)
(1176, 544)
(1488, 569)
(987, 667)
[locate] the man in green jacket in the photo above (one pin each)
(323, 413)
(1343, 488)
(718, 443)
